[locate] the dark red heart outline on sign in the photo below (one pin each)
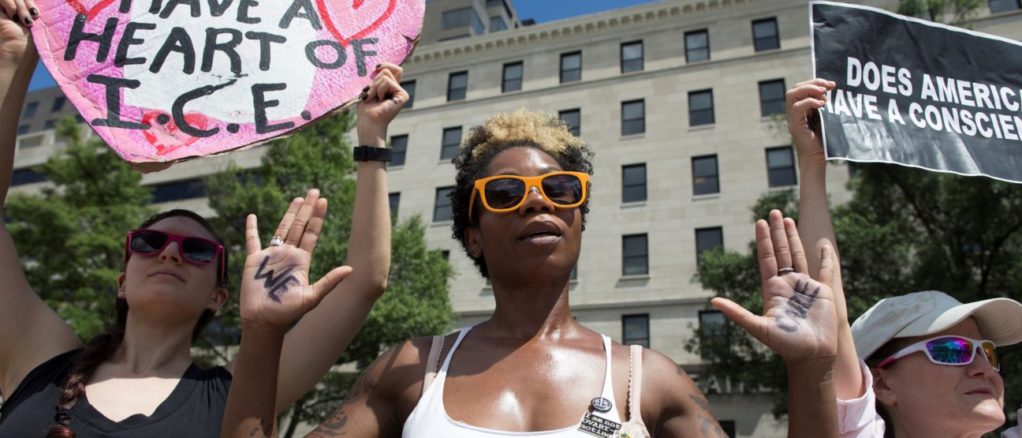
(195, 119)
(89, 13)
(356, 4)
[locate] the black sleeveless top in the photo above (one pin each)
(195, 408)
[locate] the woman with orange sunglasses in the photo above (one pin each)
(530, 370)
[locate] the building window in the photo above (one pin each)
(30, 110)
(457, 85)
(697, 46)
(705, 179)
(398, 149)
(513, 72)
(635, 250)
(446, 255)
(178, 190)
(633, 117)
(631, 57)
(712, 328)
(442, 205)
(26, 176)
(457, 18)
(24, 129)
(635, 330)
(395, 201)
(1004, 5)
(409, 86)
(707, 239)
(633, 183)
(764, 34)
(700, 108)
(455, 37)
(781, 167)
(451, 143)
(478, 28)
(58, 104)
(50, 124)
(497, 24)
(571, 67)
(573, 118)
(771, 97)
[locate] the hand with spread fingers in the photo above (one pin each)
(275, 289)
(799, 320)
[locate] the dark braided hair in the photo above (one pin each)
(501, 132)
(102, 347)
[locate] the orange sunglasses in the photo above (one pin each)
(505, 193)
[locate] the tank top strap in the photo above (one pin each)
(608, 385)
(454, 347)
(432, 362)
(635, 386)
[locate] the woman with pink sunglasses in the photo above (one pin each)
(138, 378)
(916, 365)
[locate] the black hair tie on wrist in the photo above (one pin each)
(371, 153)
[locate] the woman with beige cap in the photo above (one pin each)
(920, 365)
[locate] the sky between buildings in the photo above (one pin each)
(540, 10)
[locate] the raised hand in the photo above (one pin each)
(15, 18)
(275, 289)
(802, 102)
(799, 320)
(381, 102)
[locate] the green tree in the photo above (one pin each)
(956, 12)
(71, 235)
(416, 302)
(904, 230)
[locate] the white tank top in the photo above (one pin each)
(430, 419)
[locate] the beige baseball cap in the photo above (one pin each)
(925, 313)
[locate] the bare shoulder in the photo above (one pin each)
(672, 404)
(664, 382)
(398, 373)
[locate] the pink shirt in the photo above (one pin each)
(858, 418)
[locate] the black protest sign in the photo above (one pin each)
(918, 93)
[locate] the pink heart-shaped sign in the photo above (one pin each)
(91, 11)
(167, 80)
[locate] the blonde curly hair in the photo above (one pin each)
(503, 131)
(522, 127)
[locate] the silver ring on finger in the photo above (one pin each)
(784, 271)
(276, 241)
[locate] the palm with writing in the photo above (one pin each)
(275, 288)
(799, 320)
